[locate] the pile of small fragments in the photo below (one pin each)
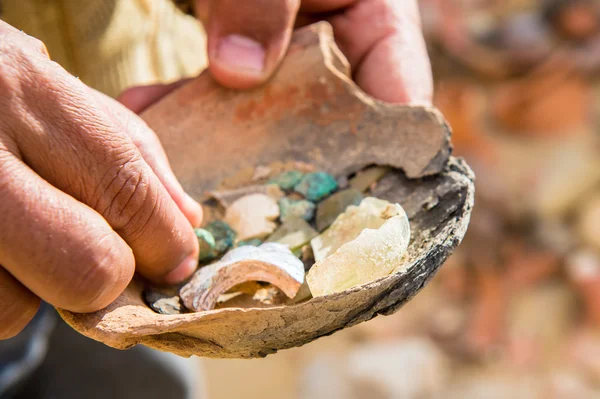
(266, 237)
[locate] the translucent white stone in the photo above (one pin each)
(364, 243)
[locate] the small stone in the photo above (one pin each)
(303, 293)
(207, 244)
(372, 213)
(253, 241)
(163, 301)
(287, 180)
(365, 178)
(343, 182)
(223, 235)
(364, 243)
(261, 172)
(336, 204)
(296, 209)
(316, 186)
(228, 197)
(252, 216)
(294, 233)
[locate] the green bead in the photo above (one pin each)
(287, 180)
(316, 186)
(207, 244)
(223, 234)
(253, 241)
(296, 209)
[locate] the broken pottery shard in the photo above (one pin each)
(316, 186)
(294, 233)
(371, 213)
(344, 262)
(163, 301)
(253, 241)
(207, 244)
(365, 178)
(333, 206)
(291, 209)
(228, 197)
(252, 216)
(287, 180)
(271, 262)
(223, 235)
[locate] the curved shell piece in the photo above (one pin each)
(270, 262)
(375, 253)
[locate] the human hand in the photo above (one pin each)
(247, 40)
(382, 40)
(88, 196)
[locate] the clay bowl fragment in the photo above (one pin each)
(310, 112)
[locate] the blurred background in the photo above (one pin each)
(515, 313)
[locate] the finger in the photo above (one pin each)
(59, 248)
(248, 39)
(18, 305)
(384, 44)
(72, 143)
(151, 149)
(139, 98)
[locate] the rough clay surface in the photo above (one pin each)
(308, 112)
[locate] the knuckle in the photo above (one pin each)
(125, 194)
(24, 66)
(37, 46)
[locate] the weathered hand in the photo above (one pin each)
(87, 195)
(247, 40)
(382, 39)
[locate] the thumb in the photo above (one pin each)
(248, 39)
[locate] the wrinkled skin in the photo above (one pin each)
(87, 193)
(88, 197)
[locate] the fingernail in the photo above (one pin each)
(194, 209)
(183, 271)
(241, 52)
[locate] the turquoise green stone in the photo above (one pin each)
(289, 208)
(223, 234)
(207, 244)
(335, 205)
(287, 180)
(253, 241)
(316, 186)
